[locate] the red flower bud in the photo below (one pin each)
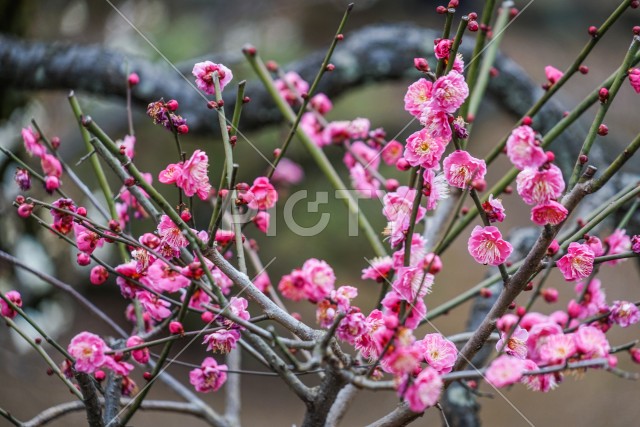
(603, 94)
(176, 328)
(83, 259)
(603, 130)
(182, 129)
(421, 64)
(391, 184)
(172, 105)
(527, 121)
(583, 158)
(249, 50)
(441, 10)
(55, 142)
(25, 209)
(583, 69)
(340, 37)
(185, 215)
(485, 293)
(207, 317)
(133, 79)
(550, 295)
(473, 26)
(403, 165)
(593, 31)
(330, 67)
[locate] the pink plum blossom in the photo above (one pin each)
(352, 327)
(51, 166)
(222, 341)
(417, 97)
(162, 278)
(522, 149)
(460, 168)
(439, 352)
(294, 286)
(209, 376)
(98, 275)
(516, 345)
(541, 382)
(5, 309)
(624, 313)
(88, 351)
(493, 209)
(288, 172)
(434, 188)
(157, 308)
(140, 355)
(291, 86)
(537, 186)
(203, 72)
(423, 150)
(449, 92)
(487, 246)
(391, 152)
(261, 195)
(577, 263)
(618, 243)
(550, 212)
(321, 103)
(392, 303)
(591, 341)
(364, 182)
(424, 391)
(191, 176)
(505, 370)
(343, 296)
(557, 348)
(31, 144)
(320, 279)
(171, 236)
(436, 124)
(442, 47)
(378, 269)
(412, 283)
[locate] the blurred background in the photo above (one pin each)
(547, 32)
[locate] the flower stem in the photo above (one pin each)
(602, 111)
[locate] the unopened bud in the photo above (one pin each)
(330, 67)
(603, 95)
(421, 64)
(182, 129)
(583, 69)
(593, 31)
(473, 26)
(133, 79)
(603, 130)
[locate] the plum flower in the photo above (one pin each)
(191, 176)
(624, 313)
(423, 150)
(157, 308)
(434, 188)
(505, 370)
(557, 348)
(577, 263)
(516, 345)
(449, 92)
(522, 149)
(439, 352)
(424, 391)
(162, 278)
(203, 72)
(378, 269)
(391, 152)
(493, 209)
(412, 283)
(140, 355)
(542, 382)
(171, 235)
(320, 278)
(417, 97)
(591, 341)
(5, 309)
(261, 195)
(222, 341)
(88, 351)
(291, 87)
(436, 123)
(460, 168)
(550, 212)
(209, 376)
(486, 246)
(31, 144)
(618, 243)
(537, 186)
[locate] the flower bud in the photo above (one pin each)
(473, 26)
(550, 295)
(98, 275)
(485, 293)
(207, 317)
(172, 105)
(593, 31)
(330, 67)
(603, 130)
(185, 215)
(133, 79)
(182, 129)
(553, 248)
(603, 95)
(176, 328)
(83, 259)
(25, 209)
(421, 64)
(99, 375)
(402, 164)
(55, 142)
(51, 183)
(583, 69)
(82, 211)
(391, 184)
(150, 240)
